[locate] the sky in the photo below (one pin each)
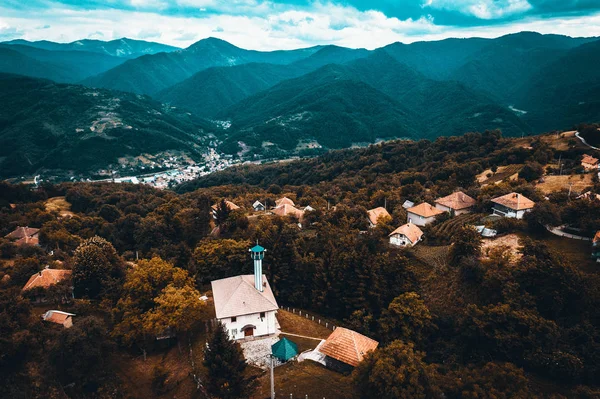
(278, 24)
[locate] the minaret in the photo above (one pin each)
(257, 254)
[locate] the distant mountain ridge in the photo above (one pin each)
(152, 73)
(124, 47)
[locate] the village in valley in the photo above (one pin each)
(290, 351)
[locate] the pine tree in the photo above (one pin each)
(226, 367)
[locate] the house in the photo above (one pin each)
(589, 163)
(289, 210)
(408, 204)
(284, 201)
(456, 203)
(596, 247)
(422, 214)
(45, 279)
(406, 235)
(375, 214)
(512, 205)
(24, 236)
(258, 206)
(56, 316)
(308, 208)
(344, 349)
(230, 205)
(245, 304)
(590, 196)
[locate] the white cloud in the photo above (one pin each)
(276, 28)
(483, 9)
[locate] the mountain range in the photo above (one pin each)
(280, 103)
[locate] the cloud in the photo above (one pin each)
(276, 24)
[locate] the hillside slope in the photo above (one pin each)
(44, 125)
(60, 66)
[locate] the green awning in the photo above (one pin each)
(284, 349)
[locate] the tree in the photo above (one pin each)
(467, 243)
(492, 381)
(543, 214)
(222, 213)
(176, 307)
(396, 371)
(406, 318)
(531, 171)
(82, 353)
(215, 259)
(97, 269)
(226, 367)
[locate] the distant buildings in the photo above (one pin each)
(258, 206)
(22, 236)
(456, 203)
(344, 349)
(406, 235)
(589, 163)
(374, 215)
(284, 201)
(245, 304)
(513, 205)
(230, 205)
(422, 214)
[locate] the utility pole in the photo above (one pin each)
(570, 186)
(272, 377)
(385, 203)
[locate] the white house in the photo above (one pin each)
(258, 206)
(406, 235)
(456, 203)
(513, 205)
(422, 214)
(245, 304)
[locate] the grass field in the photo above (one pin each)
(294, 324)
(60, 205)
(556, 183)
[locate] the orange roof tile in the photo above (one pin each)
(230, 205)
(283, 201)
(424, 209)
(589, 159)
(46, 278)
(515, 201)
(596, 237)
(287, 210)
(22, 232)
(347, 346)
(412, 232)
(56, 316)
(456, 201)
(375, 214)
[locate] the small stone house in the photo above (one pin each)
(589, 163)
(375, 214)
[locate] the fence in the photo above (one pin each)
(317, 319)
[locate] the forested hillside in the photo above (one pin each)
(453, 317)
(44, 125)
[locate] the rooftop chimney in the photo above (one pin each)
(258, 254)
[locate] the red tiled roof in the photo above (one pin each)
(375, 214)
(596, 237)
(230, 205)
(286, 210)
(56, 316)
(456, 201)
(46, 278)
(412, 232)
(283, 201)
(424, 209)
(589, 159)
(515, 201)
(347, 346)
(22, 232)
